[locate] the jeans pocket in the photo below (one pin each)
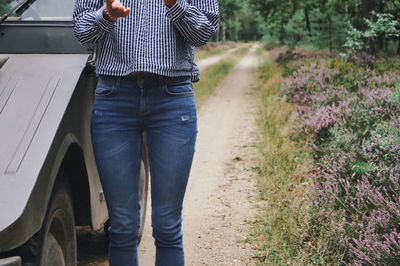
(179, 87)
(106, 86)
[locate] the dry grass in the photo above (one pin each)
(280, 229)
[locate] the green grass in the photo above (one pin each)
(206, 52)
(279, 234)
(214, 75)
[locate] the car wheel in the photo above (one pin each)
(58, 232)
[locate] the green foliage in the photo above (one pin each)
(4, 8)
(371, 24)
(354, 39)
(295, 30)
(252, 26)
(327, 29)
(382, 24)
(381, 27)
(239, 21)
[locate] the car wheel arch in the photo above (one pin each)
(33, 218)
(74, 168)
(70, 160)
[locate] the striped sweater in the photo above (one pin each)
(153, 38)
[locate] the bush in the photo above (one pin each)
(353, 112)
(382, 26)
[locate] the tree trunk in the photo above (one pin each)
(330, 36)
(308, 24)
(387, 45)
(380, 42)
(295, 5)
(398, 47)
(223, 32)
(366, 7)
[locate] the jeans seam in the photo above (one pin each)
(185, 93)
(115, 85)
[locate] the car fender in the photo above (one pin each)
(35, 94)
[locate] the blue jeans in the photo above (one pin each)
(165, 109)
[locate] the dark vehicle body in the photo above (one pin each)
(47, 81)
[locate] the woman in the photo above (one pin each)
(146, 69)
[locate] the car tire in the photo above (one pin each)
(58, 236)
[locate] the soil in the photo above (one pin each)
(221, 192)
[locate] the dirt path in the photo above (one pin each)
(221, 188)
(212, 60)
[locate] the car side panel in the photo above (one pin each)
(29, 161)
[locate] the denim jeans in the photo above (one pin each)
(165, 109)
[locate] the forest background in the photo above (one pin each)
(359, 25)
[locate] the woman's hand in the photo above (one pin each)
(169, 3)
(114, 9)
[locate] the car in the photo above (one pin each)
(49, 183)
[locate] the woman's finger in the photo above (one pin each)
(109, 3)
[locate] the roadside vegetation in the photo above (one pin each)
(214, 75)
(330, 168)
(330, 143)
(213, 48)
(280, 227)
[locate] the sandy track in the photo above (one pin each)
(220, 189)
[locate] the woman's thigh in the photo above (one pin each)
(171, 137)
(117, 140)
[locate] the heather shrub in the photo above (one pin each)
(352, 112)
(388, 64)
